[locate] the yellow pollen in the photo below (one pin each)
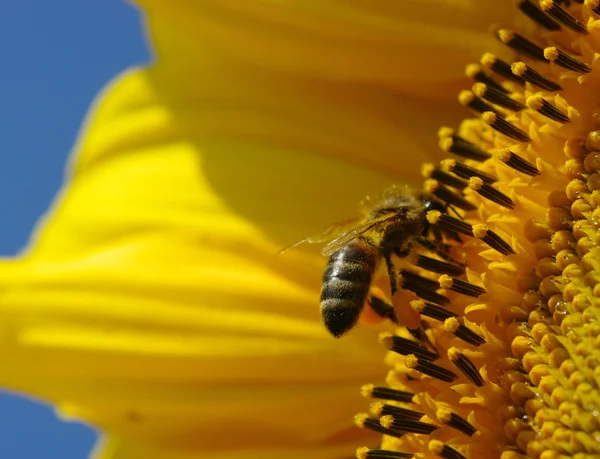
(386, 421)
(505, 35)
(551, 53)
(506, 283)
(489, 117)
(466, 97)
(475, 183)
(518, 68)
(451, 325)
(433, 216)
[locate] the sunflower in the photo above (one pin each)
(507, 365)
(149, 301)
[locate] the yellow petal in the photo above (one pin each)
(417, 47)
(152, 303)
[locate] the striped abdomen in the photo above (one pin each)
(346, 284)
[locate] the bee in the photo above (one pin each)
(392, 225)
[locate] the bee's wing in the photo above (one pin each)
(339, 242)
(328, 234)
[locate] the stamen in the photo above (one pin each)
(492, 239)
(521, 45)
(543, 107)
(437, 189)
(504, 127)
(475, 72)
(517, 163)
(444, 451)
(500, 67)
(383, 308)
(429, 369)
(452, 325)
(537, 15)
(429, 171)
(386, 393)
(405, 346)
(366, 453)
(468, 99)
(465, 365)
(383, 409)
(488, 192)
(364, 421)
(446, 222)
(455, 421)
(431, 310)
(424, 288)
(460, 286)
(528, 74)
(550, 7)
(464, 171)
(406, 425)
(463, 148)
(438, 266)
(553, 54)
(496, 97)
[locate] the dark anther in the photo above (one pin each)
(543, 107)
(446, 195)
(432, 310)
(374, 425)
(366, 453)
(553, 54)
(469, 336)
(405, 346)
(501, 68)
(386, 393)
(468, 99)
(517, 163)
(466, 367)
(537, 15)
(521, 45)
(430, 369)
(475, 72)
(466, 172)
(461, 286)
(399, 412)
(463, 148)
(423, 288)
(533, 77)
(492, 239)
(438, 266)
(497, 97)
(449, 223)
(447, 179)
(550, 7)
(457, 422)
(407, 425)
(491, 193)
(504, 127)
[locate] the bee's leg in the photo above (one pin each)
(426, 243)
(387, 255)
(382, 306)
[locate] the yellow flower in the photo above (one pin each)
(509, 366)
(149, 301)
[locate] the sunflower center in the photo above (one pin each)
(506, 362)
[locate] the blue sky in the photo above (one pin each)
(56, 55)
